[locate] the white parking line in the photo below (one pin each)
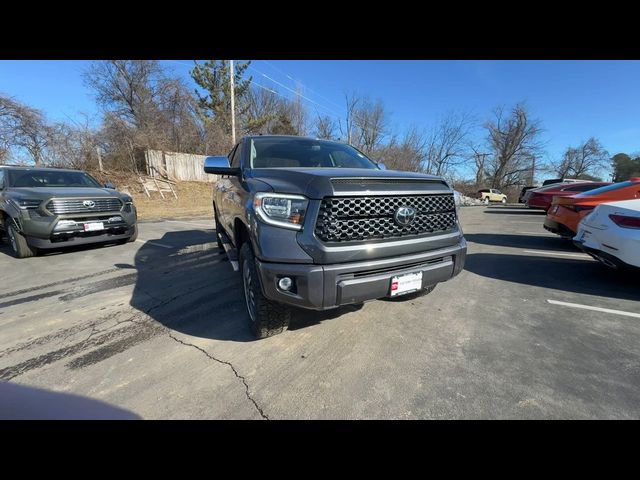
(192, 224)
(595, 309)
(530, 223)
(583, 256)
(154, 243)
(538, 233)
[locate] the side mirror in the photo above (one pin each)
(382, 166)
(110, 185)
(219, 166)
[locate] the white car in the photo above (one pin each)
(611, 234)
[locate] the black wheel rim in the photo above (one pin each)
(248, 290)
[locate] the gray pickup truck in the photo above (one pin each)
(316, 224)
(46, 208)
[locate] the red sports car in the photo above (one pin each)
(541, 198)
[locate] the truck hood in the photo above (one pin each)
(62, 192)
(317, 183)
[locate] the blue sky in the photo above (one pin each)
(573, 99)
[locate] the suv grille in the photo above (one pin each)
(61, 207)
(345, 219)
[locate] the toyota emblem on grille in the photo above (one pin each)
(405, 216)
(89, 203)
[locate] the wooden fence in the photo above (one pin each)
(178, 166)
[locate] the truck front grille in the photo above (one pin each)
(63, 207)
(346, 219)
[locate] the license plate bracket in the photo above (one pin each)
(404, 284)
(93, 226)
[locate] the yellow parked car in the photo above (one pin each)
(491, 195)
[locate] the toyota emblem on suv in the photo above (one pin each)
(89, 203)
(405, 216)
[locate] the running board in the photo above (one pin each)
(231, 252)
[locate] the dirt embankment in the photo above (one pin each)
(194, 198)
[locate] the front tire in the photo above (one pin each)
(504, 200)
(486, 200)
(18, 243)
(134, 235)
(266, 318)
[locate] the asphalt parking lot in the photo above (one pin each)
(158, 327)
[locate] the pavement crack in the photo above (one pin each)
(233, 369)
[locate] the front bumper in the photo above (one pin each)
(322, 287)
(83, 238)
(48, 231)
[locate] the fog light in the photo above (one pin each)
(285, 283)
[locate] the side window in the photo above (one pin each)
(1, 179)
(235, 161)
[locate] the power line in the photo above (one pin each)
(298, 80)
(293, 91)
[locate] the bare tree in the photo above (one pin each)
(447, 143)
(479, 159)
(513, 137)
(370, 120)
(407, 153)
(22, 127)
(351, 102)
(325, 127)
(261, 110)
(588, 158)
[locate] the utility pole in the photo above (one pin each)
(233, 105)
(99, 158)
(533, 169)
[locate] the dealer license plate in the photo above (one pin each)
(403, 284)
(93, 226)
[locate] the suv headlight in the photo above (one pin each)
(280, 209)
(25, 203)
(127, 199)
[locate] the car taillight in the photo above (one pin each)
(625, 222)
(579, 208)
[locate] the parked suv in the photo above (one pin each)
(44, 208)
(316, 224)
(491, 195)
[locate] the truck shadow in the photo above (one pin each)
(192, 289)
(565, 275)
(522, 241)
(515, 211)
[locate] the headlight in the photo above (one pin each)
(282, 210)
(25, 203)
(127, 199)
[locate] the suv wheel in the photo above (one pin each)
(266, 318)
(486, 200)
(504, 200)
(18, 243)
(134, 235)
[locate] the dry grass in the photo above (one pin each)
(194, 198)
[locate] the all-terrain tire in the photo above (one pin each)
(134, 236)
(18, 243)
(266, 318)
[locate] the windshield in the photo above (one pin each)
(608, 188)
(50, 178)
(307, 153)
